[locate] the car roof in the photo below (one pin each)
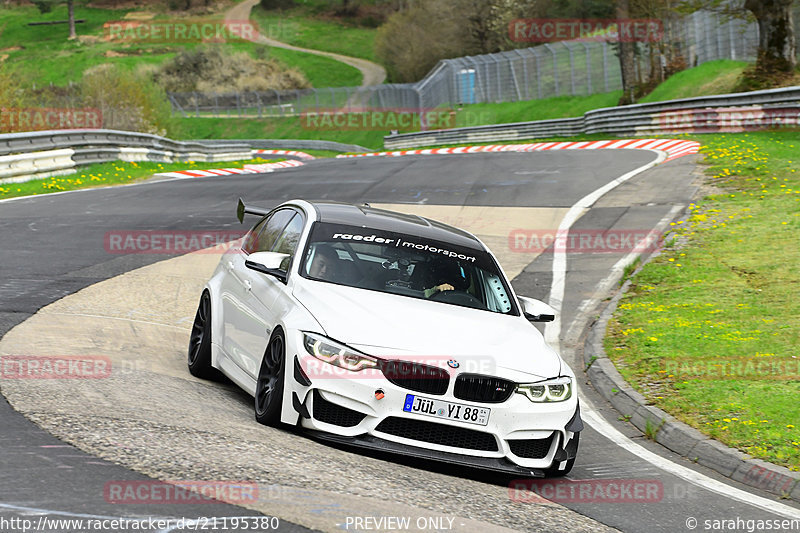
(382, 219)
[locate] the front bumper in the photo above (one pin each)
(521, 437)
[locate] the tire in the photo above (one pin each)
(553, 471)
(269, 387)
(199, 359)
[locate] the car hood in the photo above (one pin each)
(393, 326)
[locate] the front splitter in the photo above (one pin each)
(370, 442)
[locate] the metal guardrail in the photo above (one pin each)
(292, 144)
(31, 155)
(56, 139)
(706, 114)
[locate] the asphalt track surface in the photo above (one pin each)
(52, 246)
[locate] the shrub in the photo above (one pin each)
(413, 41)
(277, 4)
(212, 69)
(128, 100)
(12, 93)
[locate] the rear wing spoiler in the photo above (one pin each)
(242, 210)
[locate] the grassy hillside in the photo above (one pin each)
(714, 77)
(298, 28)
(43, 55)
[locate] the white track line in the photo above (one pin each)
(553, 329)
(591, 416)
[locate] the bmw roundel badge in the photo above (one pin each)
(452, 363)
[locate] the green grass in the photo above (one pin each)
(114, 173)
(270, 128)
(545, 109)
(714, 77)
(321, 71)
(297, 28)
(726, 293)
(44, 55)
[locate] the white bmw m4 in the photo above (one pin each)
(390, 332)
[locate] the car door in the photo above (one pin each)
(270, 298)
(246, 328)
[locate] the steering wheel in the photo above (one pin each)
(462, 298)
(356, 261)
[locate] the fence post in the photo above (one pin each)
(605, 65)
(524, 75)
(730, 37)
(500, 97)
(696, 20)
(555, 68)
(571, 67)
(588, 70)
(538, 73)
(419, 108)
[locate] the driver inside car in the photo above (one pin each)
(451, 277)
(438, 288)
(325, 264)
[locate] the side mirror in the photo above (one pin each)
(536, 310)
(267, 263)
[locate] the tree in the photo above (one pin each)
(626, 58)
(46, 6)
(776, 42)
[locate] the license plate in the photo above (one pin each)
(446, 410)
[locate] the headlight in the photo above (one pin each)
(551, 390)
(337, 354)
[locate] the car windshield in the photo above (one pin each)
(405, 265)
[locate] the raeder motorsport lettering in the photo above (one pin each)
(339, 232)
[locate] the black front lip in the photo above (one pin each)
(370, 442)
